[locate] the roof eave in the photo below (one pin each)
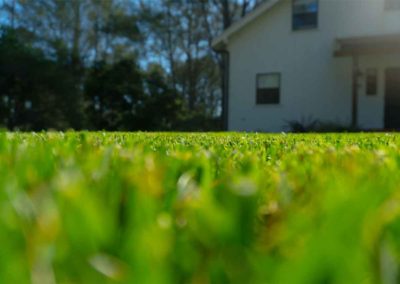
(219, 44)
(222, 40)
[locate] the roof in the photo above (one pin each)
(220, 42)
(376, 44)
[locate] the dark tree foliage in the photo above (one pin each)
(35, 93)
(161, 104)
(119, 97)
(113, 65)
(113, 93)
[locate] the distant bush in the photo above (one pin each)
(315, 125)
(196, 121)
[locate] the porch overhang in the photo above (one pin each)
(355, 47)
(367, 45)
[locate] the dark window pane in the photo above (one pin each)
(268, 88)
(306, 20)
(372, 82)
(268, 96)
(305, 14)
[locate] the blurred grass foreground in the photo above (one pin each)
(199, 208)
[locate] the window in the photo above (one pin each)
(268, 88)
(305, 14)
(392, 4)
(371, 82)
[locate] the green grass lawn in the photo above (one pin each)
(199, 208)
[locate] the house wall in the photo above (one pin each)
(371, 108)
(314, 84)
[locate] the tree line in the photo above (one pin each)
(117, 65)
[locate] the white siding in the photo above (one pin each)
(371, 108)
(314, 83)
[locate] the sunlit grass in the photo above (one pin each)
(198, 208)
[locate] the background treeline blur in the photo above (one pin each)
(113, 64)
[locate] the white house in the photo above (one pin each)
(334, 61)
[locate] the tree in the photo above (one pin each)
(31, 98)
(161, 107)
(74, 47)
(181, 34)
(120, 97)
(74, 34)
(114, 95)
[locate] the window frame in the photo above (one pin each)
(305, 28)
(278, 101)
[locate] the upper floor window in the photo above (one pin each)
(305, 14)
(392, 4)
